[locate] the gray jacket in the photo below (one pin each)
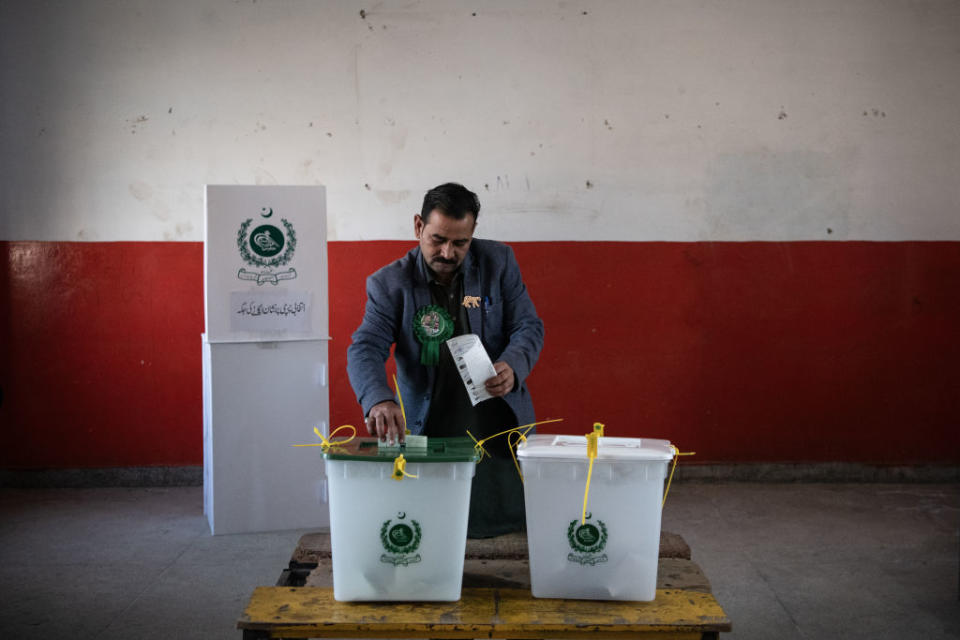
(506, 322)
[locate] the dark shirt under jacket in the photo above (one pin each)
(496, 500)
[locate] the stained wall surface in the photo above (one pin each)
(740, 221)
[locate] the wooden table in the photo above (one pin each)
(495, 602)
(311, 612)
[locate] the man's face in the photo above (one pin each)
(444, 241)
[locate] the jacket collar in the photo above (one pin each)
(471, 284)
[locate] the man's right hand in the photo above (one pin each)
(385, 421)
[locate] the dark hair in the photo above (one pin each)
(451, 199)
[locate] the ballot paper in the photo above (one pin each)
(474, 365)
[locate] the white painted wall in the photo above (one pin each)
(588, 120)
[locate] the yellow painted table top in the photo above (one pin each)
(311, 612)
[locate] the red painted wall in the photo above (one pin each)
(775, 352)
(100, 355)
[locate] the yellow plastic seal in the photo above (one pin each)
(676, 456)
(403, 413)
(593, 447)
(327, 443)
(400, 469)
(521, 436)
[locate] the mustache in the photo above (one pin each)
(444, 261)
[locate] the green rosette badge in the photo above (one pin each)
(432, 325)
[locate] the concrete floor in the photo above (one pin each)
(786, 561)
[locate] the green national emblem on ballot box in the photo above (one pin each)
(266, 246)
(400, 539)
(588, 539)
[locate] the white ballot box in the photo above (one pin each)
(265, 356)
(613, 553)
(399, 538)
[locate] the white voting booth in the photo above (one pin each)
(265, 374)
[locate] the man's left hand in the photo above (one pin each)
(502, 383)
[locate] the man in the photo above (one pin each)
(449, 285)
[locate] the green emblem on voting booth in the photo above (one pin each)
(400, 539)
(588, 539)
(266, 241)
(267, 247)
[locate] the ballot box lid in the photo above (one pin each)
(436, 450)
(560, 447)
